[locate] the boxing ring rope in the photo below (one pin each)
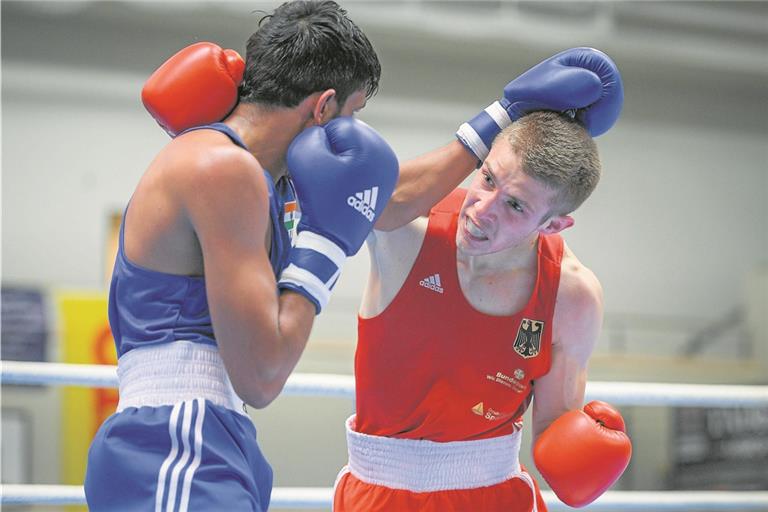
(619, 393)
(320, 497)
(316, 384)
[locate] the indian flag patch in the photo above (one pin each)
(291, 218)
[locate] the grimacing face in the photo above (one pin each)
(504, 206)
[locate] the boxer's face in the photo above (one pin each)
(504, 206)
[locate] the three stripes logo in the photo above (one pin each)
(365, 202)
(174, 480)
(433, 283)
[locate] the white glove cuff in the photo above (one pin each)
(478, 133)
(317, 269)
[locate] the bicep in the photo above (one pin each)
(560, 390)
(578, 320)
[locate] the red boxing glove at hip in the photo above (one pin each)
(583, 452)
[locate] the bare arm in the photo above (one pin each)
(424, 181)
(260, 334)
(577, 322)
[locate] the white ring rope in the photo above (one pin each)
(312, 384)
(320, 497)
(620, 393)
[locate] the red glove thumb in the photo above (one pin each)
(583, 453)
(196, 86)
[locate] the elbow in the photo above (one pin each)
(386, 224)
(260, 401)
(396, 215)
(258, 391)
(256, 396)
(388, 220)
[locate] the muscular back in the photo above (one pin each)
(158, 232)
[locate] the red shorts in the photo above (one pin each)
(513, 495)
(402, 475)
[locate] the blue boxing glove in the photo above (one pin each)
(344, 173)
(581, 81)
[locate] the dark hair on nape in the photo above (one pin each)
(304, 47)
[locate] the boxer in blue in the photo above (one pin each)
(211, 303)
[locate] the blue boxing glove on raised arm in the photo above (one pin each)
(344, 173)
(582, 81)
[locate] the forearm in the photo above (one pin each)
(569, 395)
(277, 356)
(424, 181)
(295, 319)
(261, 334)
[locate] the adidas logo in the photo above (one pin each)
(365, 202)
(433, 283)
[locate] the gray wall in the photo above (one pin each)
(675, 229)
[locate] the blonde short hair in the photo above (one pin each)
(559, 152)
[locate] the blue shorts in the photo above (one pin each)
(193, 455)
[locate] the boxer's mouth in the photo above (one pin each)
(474, 230)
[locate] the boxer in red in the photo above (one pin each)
(476, 308)
(469, 313)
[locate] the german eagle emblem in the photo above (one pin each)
(528, 339)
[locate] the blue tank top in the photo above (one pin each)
(147, 307)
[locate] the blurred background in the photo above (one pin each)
(676, 230)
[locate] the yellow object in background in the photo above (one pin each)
(85, 339)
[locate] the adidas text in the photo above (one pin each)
(365, 202)
(358, 205)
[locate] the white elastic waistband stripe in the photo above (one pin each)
(428, 466)
(173, 372)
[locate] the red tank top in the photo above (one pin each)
(431, 366)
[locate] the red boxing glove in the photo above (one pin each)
(582, 453)
(198, 85)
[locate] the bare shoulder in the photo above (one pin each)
(220, 185)
(200, 159)
(580, 288)
(579, 306)
(392, 254)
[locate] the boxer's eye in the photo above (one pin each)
(515, 205)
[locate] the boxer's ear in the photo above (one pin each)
(326, 107)
(556, 224)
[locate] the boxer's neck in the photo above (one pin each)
(520, 256)
(267, 132)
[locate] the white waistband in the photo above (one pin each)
(428, 466)
(173, 372)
